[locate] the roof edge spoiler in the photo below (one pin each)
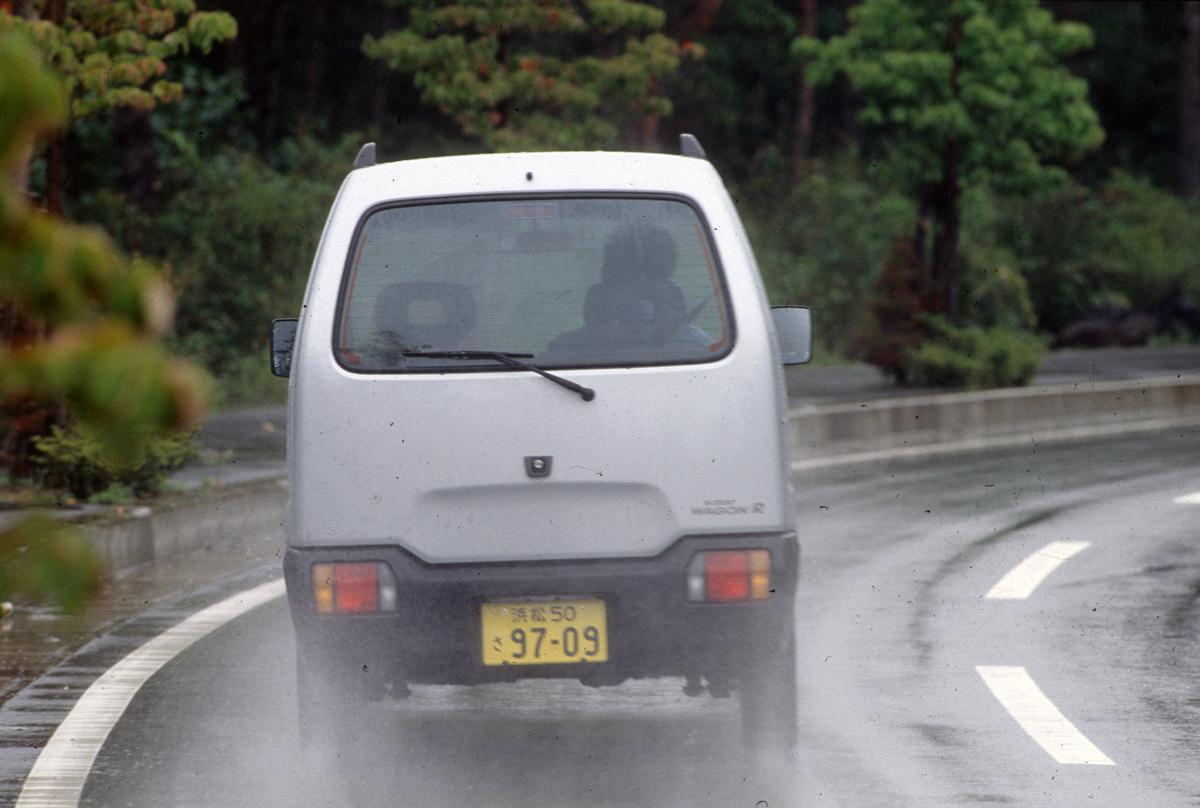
(366, 156)
(689, 146)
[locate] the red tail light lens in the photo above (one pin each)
(359, 588)
(356, 588)
(725, 576)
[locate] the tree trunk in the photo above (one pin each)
(848, 133)
(648, 134)
(1189, 99)
(947, 198)
(379, 98)
(270, 122)
(318, 20)
(138, 174)
(805, 97)
(56, 153)
(945, 234)
(700, 20)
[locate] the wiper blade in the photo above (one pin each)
(511, 359)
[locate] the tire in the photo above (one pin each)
(767, 697)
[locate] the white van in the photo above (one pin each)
(536, 428)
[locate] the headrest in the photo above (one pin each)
(425, 314)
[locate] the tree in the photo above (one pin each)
(962, 93)
(805, 98)
(113, 54)
(103, 316)
(1189, 99)
(520, 74)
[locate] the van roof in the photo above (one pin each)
(533, 172)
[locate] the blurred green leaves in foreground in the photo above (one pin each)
(91, 339)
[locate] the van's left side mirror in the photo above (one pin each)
(793, 327)
(283, 336)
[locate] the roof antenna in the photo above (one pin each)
(366, 156)
(689, 146)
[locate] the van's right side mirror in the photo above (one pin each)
(283, 336)
(793, 328)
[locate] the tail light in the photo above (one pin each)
(358, 588)
(729, 576)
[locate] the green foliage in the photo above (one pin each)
(973, 358)
(209, 118)
(822, 241)
(987, 75)
(1127, 244)
(995, 292)
(115, 494)
(77, 462)
(248, 380)
(240, 238)
(103, 315)
(114, 53)
(523, 74)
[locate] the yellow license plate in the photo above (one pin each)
(544, 632)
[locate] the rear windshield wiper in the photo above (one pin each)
(511, 359)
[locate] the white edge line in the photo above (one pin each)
(997, 442)
(1018, 694)
(61, 769)
(1020, 581)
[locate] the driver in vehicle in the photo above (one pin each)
(635, 306)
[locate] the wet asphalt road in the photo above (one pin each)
(892, 622)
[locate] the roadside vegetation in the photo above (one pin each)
(952, 187)
(84, 328)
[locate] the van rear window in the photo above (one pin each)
(574, 282)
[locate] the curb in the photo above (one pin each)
(854, 428)
(212, 518)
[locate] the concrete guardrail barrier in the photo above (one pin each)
(827, 430)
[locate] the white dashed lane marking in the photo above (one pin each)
(1019, 582)
(1016, 691)
(1188, 499)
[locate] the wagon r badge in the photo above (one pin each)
(726, 507)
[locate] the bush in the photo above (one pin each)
(76, 461)
(973, 358)
(823, 241)
(902, 301)
(1127, 245)
(248, 380)
(994, 293)
(238, 238)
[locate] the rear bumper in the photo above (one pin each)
(435, 635)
